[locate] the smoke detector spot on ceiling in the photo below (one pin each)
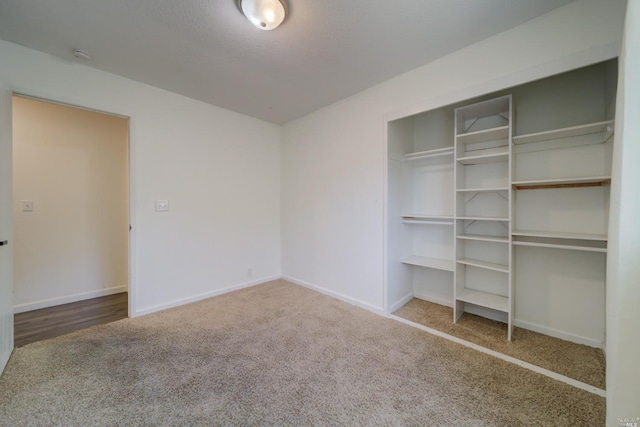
(81, 54)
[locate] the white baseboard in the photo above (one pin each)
(506, 358)
(36, 305)
(402, 301)
(502, 317)
(567, 336)
(5, 354)
(352, 301)
(435, 300)
(199, 297)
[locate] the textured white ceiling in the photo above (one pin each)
(325, 51)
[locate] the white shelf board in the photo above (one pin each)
(558, 246)
(483, 158)
(426, 222)
(484, 264)
(493, 134)
(560, 235)
(483, 218)
(438, 264)
(483, 238)
(427, 216)
(484, 299)
(426, 219)
(561, 181)
(590, 128)
(482, 190)
(423, 155)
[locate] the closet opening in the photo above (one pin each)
(497, 219)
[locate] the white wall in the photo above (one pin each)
(623, 269)
(220, 171)
(73, 165)
(334, 159)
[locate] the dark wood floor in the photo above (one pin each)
(37, 325)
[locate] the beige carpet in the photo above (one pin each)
(276, 354)
(580, 362)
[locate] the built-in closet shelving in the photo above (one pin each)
(420, 157)
(601, 130)
(438, 264)
(499, 206)
(482, 139)
(577, 139)
(423, 163)
(427, 219)
(422, 205)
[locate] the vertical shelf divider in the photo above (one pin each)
(483, 152)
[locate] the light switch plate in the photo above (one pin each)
(27, 206)
(162, 206)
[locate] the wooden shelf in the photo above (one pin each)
(484, 299)
(539, 184)
(483, 158)
(605, 128)
(430, 154)
(560, 235)
(483, 238)
(483, 264)
(493, 134)
(427, 219)
(438, 264)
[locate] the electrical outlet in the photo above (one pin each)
(250, 271)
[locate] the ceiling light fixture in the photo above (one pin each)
(264, 14)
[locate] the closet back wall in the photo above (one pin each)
(73, 165)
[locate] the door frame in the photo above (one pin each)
(6, 289)
(131, 288)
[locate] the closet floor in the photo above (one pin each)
(45, 323)
(580, 362)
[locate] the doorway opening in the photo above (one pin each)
(71, 218)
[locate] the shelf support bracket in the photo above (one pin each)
(466, 129)
(470, 197)
(469, 224)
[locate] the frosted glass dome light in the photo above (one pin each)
(264, 14)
